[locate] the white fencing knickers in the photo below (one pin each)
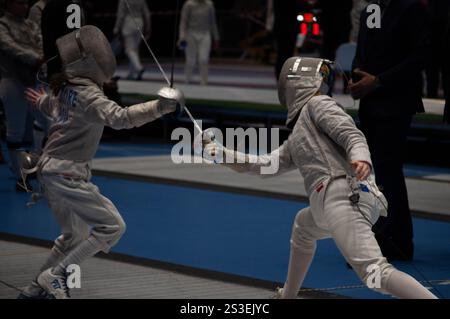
(198, 47)
(132, 44)
(332, 215)
(78, 205)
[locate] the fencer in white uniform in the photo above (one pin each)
(197, 25)
(127, 24)
(334, 159)
(89, 222)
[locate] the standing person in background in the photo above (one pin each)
(439, 20)
(20, 58)
(336, 25)
(358, 7)
(2, 160)
(126, 28)
(36, 10)
(285, 29)
(269, 16)
(197, 24)
(446, 70)
(387, 77)
(41, 123)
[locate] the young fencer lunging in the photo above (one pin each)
(89, 222)
(334, 159)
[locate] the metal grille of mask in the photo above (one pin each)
(296, 68)
(90, 41)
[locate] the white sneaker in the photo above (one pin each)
(55, 285)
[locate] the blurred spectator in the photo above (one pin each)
(197, 25)
(2, 160)
(269, 16)
(54, 26)
(336, 24)
(439, 21)
(285, 29)
(388, 79)
(446, 70)
(358, 7)
(20, 57)
(41, 123)
(127, 24)
(36, 10)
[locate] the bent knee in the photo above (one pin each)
(110, 233)
(122, 227)
(117, 229)
(300, 238)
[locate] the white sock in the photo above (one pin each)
(404, 286)
(53, 259)
(299, 263)
(84, 250)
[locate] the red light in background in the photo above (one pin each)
(316, 29)
(309, 17)
(304, 28)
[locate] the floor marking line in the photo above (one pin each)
(10, 286)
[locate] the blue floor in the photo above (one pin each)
(122, 149)
(136, 149)
(236, 234)
(151, 149)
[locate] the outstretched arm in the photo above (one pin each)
(99, 109)
(267, 165)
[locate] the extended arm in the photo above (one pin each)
(275, 163)
(99, 109)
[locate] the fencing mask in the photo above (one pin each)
(301, 79)
(87, 53)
